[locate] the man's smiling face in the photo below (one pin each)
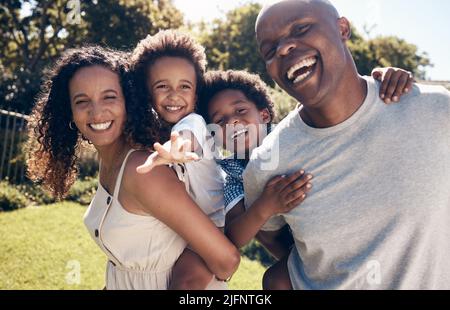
(303, 46)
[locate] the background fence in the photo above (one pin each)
(12, 137)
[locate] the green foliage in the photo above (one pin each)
(35, 37)
(128, 21)
(88, 167)
(35, 193)
(11, 198)
(255, 251)
(387, 52)
(88, 162)
(231, 43)
(284, 103)
(83, 191)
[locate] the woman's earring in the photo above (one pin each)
(72, 126)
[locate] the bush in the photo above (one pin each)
(83, 191)
(88, 164)
(255, 251)
(87, 168)
(11, 198)
(35, 193)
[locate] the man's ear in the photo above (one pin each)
(265, 116)
(345, 29)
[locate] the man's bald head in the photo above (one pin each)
(303, 43)
(322, 4)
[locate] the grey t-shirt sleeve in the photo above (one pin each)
(253, 188)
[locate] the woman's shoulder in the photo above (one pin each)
(135, 181)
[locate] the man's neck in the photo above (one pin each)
(339, 107)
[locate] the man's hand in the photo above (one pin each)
(175, 151)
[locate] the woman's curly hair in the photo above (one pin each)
(52, 145)
(166, 43)
(249, 84)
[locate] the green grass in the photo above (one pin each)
(38, 244)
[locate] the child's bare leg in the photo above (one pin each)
(276, 278)
(190, 272)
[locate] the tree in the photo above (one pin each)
(30, 37)
(387, 51)
(37, 32)
(127, 22)
(231, 44)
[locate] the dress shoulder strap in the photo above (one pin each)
(119, 177)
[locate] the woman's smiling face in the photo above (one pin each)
(98, 104)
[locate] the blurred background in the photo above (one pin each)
(43, 244)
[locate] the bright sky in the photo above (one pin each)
(425, 23)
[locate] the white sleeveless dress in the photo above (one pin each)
(141, 250)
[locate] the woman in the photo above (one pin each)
(141, 222)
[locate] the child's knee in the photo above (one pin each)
(269, 279)
(276, 279)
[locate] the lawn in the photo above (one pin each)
(42, 247)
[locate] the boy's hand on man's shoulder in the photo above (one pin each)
(284, 193)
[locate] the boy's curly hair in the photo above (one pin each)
(52, 146)
(250, 84)
(166, 43)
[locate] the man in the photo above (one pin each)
(378, 216)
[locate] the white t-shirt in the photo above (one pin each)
(204, 179)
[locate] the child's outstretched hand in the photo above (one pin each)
(175, 151)
(394, 83)
(284, 193)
